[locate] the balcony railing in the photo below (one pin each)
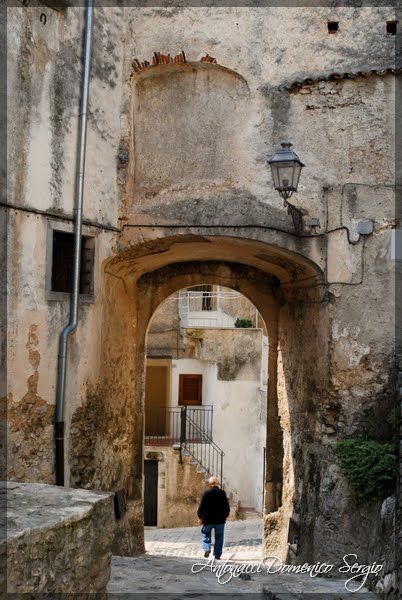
(203, 308)
(163, 426)
(188, 428)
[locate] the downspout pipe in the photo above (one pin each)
(79, 197)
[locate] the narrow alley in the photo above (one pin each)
(174, 566)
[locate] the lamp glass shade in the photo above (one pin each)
(286, 168)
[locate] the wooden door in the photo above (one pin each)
(156, 399)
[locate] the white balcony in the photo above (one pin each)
(203, 318)
(202, 308)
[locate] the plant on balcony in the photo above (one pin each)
(243, 323)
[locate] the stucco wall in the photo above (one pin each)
(193, 366)
(240, 430)
(44, 75)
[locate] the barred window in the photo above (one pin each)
(63, 262)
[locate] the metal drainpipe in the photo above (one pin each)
(79, 195)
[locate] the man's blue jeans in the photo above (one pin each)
(206, 531)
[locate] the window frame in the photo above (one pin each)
(68, 227)
(198, 377)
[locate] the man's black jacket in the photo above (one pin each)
(214, 507)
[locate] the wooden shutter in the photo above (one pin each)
(190, 390)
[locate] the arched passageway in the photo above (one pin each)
(158, 285)
(285, 288)
(205, 404)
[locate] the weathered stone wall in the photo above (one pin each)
(398, 504)
(241, 308)
(237, 352)
(35, 320)
(268, 112)
(58, 540)
(128, 539)
(386, 530)
(165, 336)
(44, 79)
(303, 407)
(198, 115)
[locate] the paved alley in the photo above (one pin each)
(175, 567)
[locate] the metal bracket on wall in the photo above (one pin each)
(301, 221)
(297, 217)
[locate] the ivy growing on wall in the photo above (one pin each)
(370, 467)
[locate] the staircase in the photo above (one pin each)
(196, 443)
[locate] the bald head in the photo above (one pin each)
(213, 480)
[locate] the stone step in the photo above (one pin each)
(238, 512)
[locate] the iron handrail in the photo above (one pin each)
(206, 436)
(199, 449)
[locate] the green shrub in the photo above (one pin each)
(243, 323)
(369, 466)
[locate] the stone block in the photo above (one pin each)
(58, 539)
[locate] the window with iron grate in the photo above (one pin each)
(63, 263)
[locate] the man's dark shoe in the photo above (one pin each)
(207, 553)
(217, 557)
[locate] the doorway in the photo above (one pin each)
(151, 493)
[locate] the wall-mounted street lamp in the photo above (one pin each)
(286, 168)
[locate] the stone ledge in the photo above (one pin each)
(58, 539)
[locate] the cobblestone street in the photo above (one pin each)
(171, 553)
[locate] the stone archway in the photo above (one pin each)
(285, 288)
(156, 286)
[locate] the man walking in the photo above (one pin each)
(212, 513)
